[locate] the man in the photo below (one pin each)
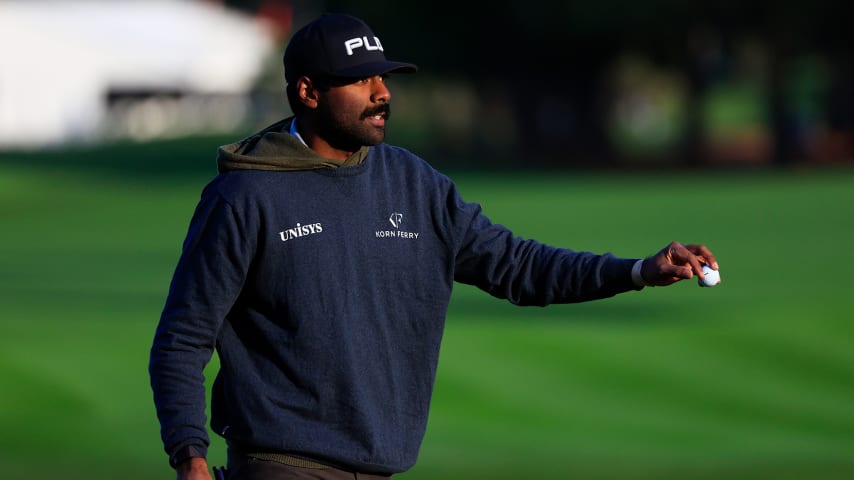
(319, 265)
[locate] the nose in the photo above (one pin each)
(379, 92)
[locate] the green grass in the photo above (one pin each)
(752, 379)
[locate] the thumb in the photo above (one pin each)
(669, 274)
(676, 271)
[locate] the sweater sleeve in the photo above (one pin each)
(208, 278)
(525, 271)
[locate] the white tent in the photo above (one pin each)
(59, 60)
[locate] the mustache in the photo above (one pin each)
(385, 109)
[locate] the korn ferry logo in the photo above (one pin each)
(396, 221)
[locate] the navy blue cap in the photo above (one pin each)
(339, 46)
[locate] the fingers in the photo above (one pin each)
(686, 256)
(678, 262)
(705, 255)
(659, 270)
(674, 273)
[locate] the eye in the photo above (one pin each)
(380, 78)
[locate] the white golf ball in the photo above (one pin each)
(712, 277)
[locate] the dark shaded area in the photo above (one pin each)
(554, 58)
(581, 84)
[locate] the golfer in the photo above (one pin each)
(319, 264)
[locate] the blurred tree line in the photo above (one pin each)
(617, 82)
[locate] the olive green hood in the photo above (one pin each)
(275, 149)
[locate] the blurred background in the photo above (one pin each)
(558, 83)
(604, 125)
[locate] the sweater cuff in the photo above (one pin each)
(637, 278)
(185, 452)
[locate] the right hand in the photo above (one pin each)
(195, 468)
(676, 262)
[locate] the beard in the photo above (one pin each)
(342, 132)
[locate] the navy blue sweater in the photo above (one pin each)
(324, 293)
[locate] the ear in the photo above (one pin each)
(307, 92)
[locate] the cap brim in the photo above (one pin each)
(376, 68)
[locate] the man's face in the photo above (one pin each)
(352, 115)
